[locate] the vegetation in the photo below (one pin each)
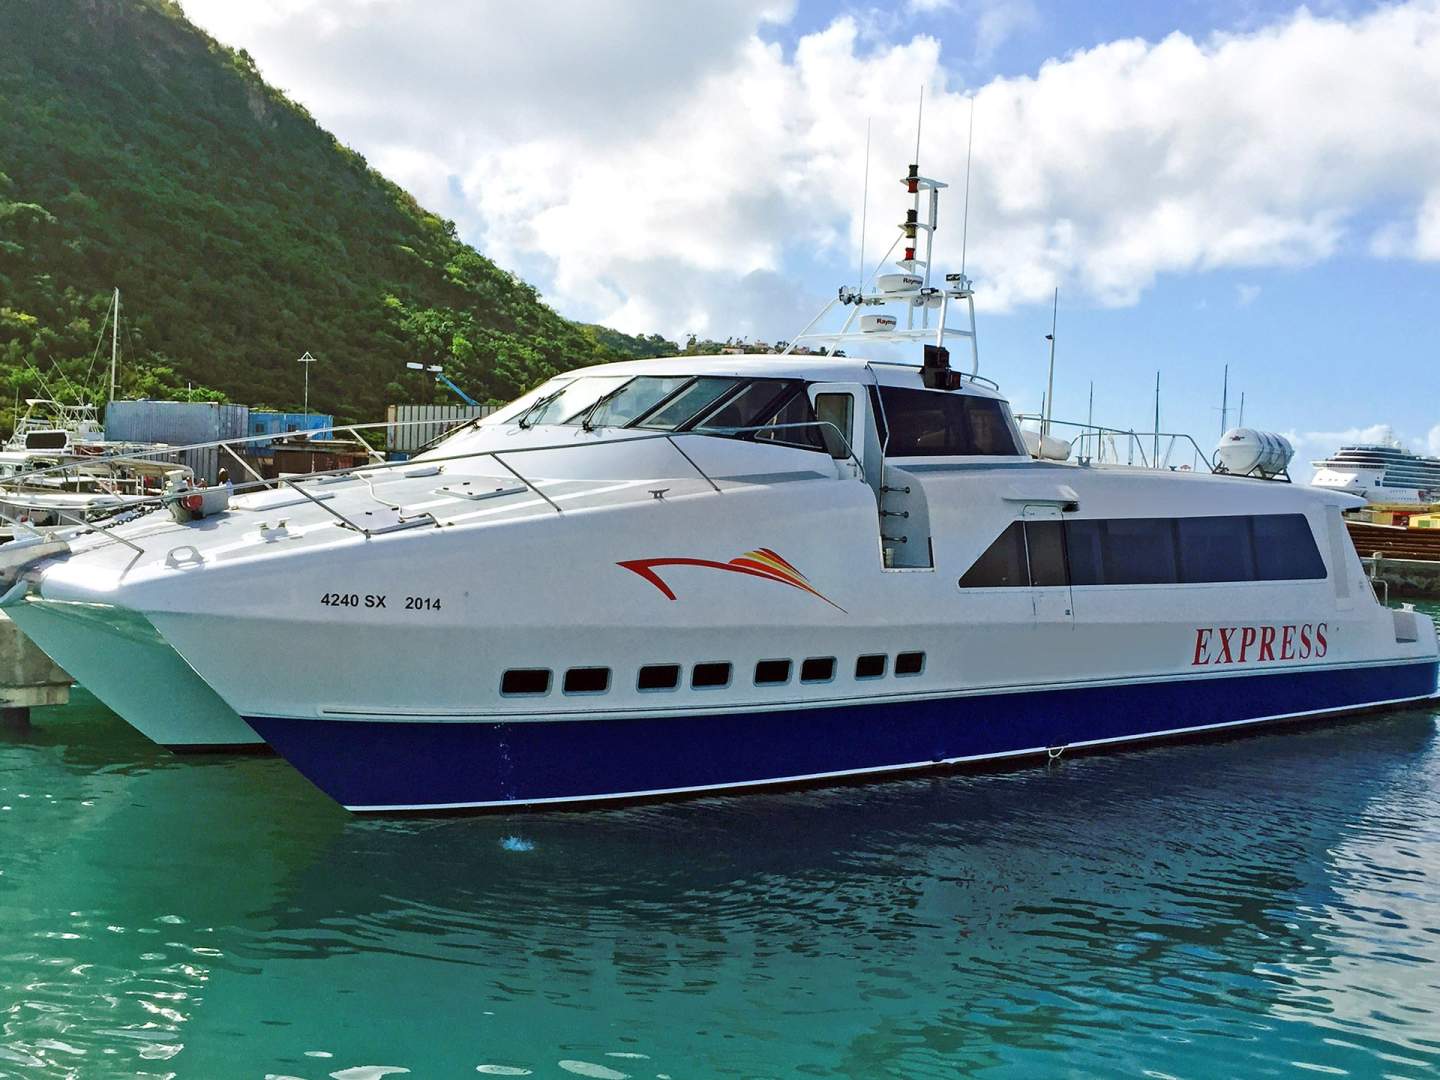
(137, 151)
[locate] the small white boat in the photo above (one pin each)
(712, 573)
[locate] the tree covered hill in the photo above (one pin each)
(137, 151)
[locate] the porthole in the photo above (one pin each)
(772, 672)
(525, 682)
(587, 680)
(871, 666)
(658, 677)
(818, 669)
(709, 676)
(909, 663)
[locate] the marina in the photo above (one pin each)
(735, 540)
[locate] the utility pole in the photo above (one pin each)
(307, 360)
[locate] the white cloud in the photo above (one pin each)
(1245, 295)
(649, 164)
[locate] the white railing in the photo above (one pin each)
(294, 481)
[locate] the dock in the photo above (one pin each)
(1407, 560)
(27, 676)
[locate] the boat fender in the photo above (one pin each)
(194, 502)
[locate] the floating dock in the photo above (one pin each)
(27, 676)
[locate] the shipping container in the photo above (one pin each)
(412, 427)
(180, 423)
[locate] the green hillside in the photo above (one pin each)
(137, 151)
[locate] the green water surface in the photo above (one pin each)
(1258, 906)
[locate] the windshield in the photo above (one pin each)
(570, 400)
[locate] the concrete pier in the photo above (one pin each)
(27, 676)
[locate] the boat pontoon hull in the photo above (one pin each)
(391, 766)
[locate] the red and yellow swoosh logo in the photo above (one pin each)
(761, 563)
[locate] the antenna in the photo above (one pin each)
(1050, 386)
(965, 221)
(919, 116)
(1242, 410)
(864, 204)
(1225, 401)
(1155, 451)
(114, 341)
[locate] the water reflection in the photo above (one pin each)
(1227, 908)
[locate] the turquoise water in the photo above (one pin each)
(1263, 906)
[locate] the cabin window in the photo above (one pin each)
(1002, 565)
(1140, 551)
(836, 414)
(635, 398)
(1045, 547)
(1285, 549)
(772, 672)
(525, 682)
(926, 423)
(1216, 549)
(754, 404)
(658, 677)
(793, 424)
(871, 666)
(818, 669)
(587, 680)
(909, 663)
(710, 675)
(1150, 551)
(699, 394)
(570, 400)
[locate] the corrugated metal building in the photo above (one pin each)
(411, 427)
(264, 422)
(180, 423)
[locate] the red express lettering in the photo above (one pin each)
(1219, 645)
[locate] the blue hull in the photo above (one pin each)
(385, 765)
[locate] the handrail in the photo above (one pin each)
(1135, 438)
(293, 481)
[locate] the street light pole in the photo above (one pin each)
(307, 360)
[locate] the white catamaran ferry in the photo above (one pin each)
(1381, 473)
(710, 573)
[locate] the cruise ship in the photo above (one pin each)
(699, 574)
(1381, 474)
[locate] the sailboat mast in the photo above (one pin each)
(114, 341)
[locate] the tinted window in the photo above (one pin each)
(836, 412)
(1045, 544)
(688, 402)
(712, 674)
(937, 422)
(525, 681)
(909, 663)
(587, 680)
(1285, 549)
(1003, 563)
(1140, 551)
(870, 667)
(1216, 549)
(768, 672)
(818, 669)
(1149, 551)
(786, 424)
(1084, 546)
(658, 677)
(752, 406)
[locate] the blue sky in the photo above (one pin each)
(1206, 182)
